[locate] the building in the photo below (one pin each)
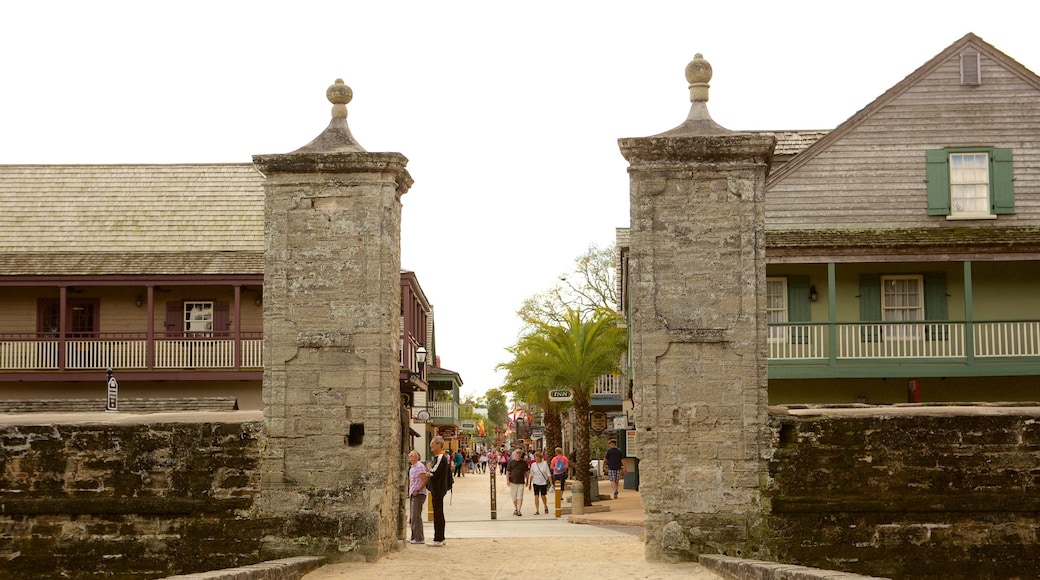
(903, 246)
(155, 272)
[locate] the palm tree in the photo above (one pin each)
(573, 353)
(528, 383)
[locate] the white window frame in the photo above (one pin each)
(777, 333)
(970, 185)
(198, 317)
(902, 312)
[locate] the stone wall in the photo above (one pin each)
(933, 493)
(138, 500)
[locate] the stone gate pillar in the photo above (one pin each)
(697, 294)
(332, 299)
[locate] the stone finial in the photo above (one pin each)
(698, 121)
(698, 73)
(339, 94)
(336, 138)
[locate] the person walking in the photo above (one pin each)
(503, 461)
(540, 479)
(615, 465)
(518, 479)
(559, 468)
(418, 476)
(483, 461)
(458, 463)
(438, 484)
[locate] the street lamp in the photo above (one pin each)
(420, 357)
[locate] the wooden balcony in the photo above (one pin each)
(947, 348)
(131, 351)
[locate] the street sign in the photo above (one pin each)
(469, 425)
(561, 395)
(598, 421)
(446, 432)
(536, 434)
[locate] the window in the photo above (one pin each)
(902, 300)
(970, 183)
(198, 317)
(81, 317)
(776, 307)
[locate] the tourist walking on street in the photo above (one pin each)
(559, 468)
(518, 479)
(440, 478)
(503, 460)
(540, 478)
(418, 475)
(483, 461)
(458, 463)
(615, 465)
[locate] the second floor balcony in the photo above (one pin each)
(28, 352)
(904, 348)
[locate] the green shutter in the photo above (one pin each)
(935, 307)
(798, 307)
(938, 177)
(870, 304)
(1002, 188)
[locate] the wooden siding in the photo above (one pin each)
(870, 173)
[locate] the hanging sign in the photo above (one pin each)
(561, 395)
(598, 421)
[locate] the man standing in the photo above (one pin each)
(615, 465)
(418, 475)
(440, 474)
(517, 469)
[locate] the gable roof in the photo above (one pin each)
(131, 219)
(968, 40)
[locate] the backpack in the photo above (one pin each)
(559, 467)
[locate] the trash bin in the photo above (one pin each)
(593, 484)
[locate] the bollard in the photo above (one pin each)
(494, 497)
(559, 500)
(577, 499)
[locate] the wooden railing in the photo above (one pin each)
(609, 385)
(903, 340)
(30, 352)
(445, 409)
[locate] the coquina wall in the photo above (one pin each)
(140, 500)
(919, 492)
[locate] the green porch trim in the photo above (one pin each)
(832, 312)
(969, 314)
(905, 369)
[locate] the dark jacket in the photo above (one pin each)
(440, 474)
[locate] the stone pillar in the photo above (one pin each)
(332, 300)
(698, 328)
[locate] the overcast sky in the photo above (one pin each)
(509, 113)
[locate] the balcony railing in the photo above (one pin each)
(31, 352)
(445, 409)
(903, 340)
(609, 385)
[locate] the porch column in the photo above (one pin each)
(332, 468)
(698, 331)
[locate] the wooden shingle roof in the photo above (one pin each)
(131, 219)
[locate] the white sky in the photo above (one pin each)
(508, 112)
